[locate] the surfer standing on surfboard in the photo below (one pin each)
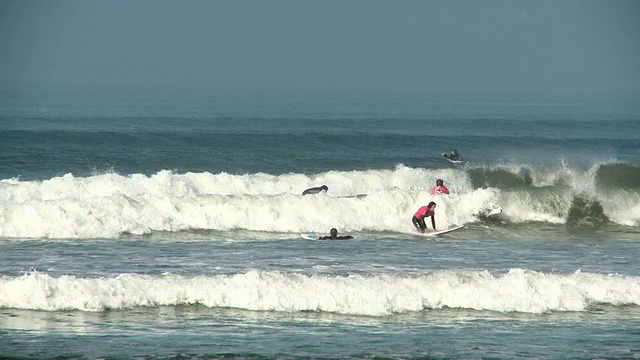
(423, 212)
(453, 156)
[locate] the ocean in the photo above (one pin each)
(147, 224)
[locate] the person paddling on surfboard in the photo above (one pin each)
(423, 212)
(439, 188)
(454, 155)
(333, 235)
(316, 190)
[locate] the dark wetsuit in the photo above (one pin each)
(314, 190)
(347, 237)
(449, 156)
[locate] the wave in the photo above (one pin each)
(618, 176)
(109, 205)
(518, 290)
(598, 178)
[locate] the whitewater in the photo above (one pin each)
(154, 226)
(109, 205)
(518, 290)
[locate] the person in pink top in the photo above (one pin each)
(423, 212)
(439, 188)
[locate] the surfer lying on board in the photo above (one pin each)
(453, 156)
(439, 188)
(423, 212)
(316, 190)
(333, 235)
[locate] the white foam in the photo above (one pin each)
(518, 290)
(108, 205)
(622, 206)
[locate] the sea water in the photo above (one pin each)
(157, 224)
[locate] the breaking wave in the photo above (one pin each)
(108, 205)
(518, 290)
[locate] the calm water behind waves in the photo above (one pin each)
(85, 133)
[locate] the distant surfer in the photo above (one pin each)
(316, 190)
(333, 235)
(439, 188)
(423, 212)
(454, 155)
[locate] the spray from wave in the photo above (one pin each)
(108, 205)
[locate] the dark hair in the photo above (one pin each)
(324, 187)
(439, 182)
(333, 232)
(431, 204)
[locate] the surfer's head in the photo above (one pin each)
(454, 151)
(324, 188)
(439, 182)
(431, 205)
(333, 232)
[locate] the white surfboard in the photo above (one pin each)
(440, 232)
(452, 161)
(309, 236)
(493, 209)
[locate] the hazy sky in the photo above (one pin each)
(511, 46)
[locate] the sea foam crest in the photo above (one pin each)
(108, 205)
(519, 290)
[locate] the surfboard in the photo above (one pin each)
(493, 209)
(452, 161)
(310, 236)
(359, 196)
(440, 232)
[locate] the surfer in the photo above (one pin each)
(439, 188)
(316, 190)
(423, 212)
(333, 235)
(454, 155)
